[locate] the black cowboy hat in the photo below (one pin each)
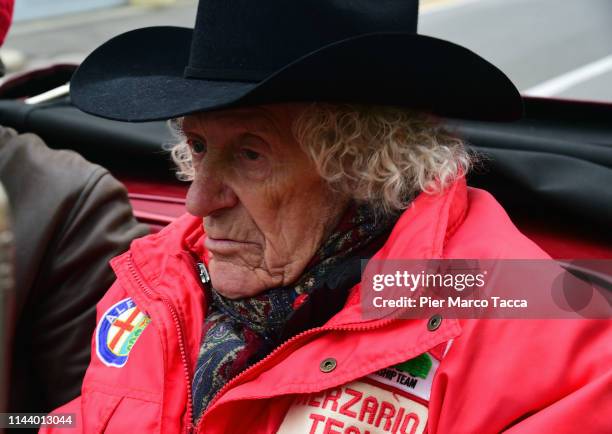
(245, 52)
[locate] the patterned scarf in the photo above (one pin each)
(238, 333)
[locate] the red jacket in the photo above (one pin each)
(477, 376)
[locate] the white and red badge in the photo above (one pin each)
(393, 400)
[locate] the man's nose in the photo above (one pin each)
(208, 192)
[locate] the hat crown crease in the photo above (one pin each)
(233, 40)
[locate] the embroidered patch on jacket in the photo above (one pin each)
(117, 332)
(360, 407)
(414, 376)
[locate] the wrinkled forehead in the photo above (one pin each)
(271, 119)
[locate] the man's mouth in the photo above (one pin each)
(225, 246)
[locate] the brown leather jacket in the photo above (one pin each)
(69, 218)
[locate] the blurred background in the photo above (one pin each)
(549, 48)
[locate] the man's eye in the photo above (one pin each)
(250, 154)
(197, 146)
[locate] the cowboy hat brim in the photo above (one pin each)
(139, 76)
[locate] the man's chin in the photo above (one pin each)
(234, 281)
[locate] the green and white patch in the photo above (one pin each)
(414, 376)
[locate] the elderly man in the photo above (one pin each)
(307, 133)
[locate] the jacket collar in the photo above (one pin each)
(420, 233)
(423, 229)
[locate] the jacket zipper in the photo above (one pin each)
(179, 331)
(205, 280)
(280, 348)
